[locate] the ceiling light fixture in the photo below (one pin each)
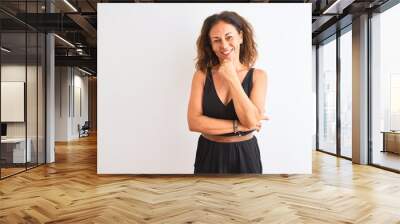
(337, 7)
(70, 5)
(331, 7)
(84, 71)
(5, 49)
(64, 40)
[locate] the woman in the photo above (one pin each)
(227, 97)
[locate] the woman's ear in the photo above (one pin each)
(241, 37)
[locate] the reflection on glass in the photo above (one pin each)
(386, 89)
(327, 97)
(22, 90)
(31, 101)
(395, 102)
(346, 94)
(14, 153)
(41, 97)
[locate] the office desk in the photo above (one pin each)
(391, 141)
(13, 150)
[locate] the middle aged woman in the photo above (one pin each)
(227, 97)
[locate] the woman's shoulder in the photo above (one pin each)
(259, 74)
(199, 75)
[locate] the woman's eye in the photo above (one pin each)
(229, 37)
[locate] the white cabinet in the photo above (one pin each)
(17, 147)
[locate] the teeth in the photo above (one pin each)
(226, 52)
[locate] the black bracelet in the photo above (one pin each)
(235, 126)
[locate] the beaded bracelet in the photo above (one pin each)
(235, 126)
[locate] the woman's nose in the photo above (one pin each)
(224, 44)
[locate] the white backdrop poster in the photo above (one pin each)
(146, 60)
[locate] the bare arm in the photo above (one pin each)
(250, 110)
(196, 120)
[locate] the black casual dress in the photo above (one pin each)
(226, 157)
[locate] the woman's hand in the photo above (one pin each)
(243, 128)
(258, 125)
(227, 70)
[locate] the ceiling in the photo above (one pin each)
(76, 22)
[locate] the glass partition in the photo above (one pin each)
(385, 89)
(41, 85)
(346, 94)
(22, 63)
(33, 56)
(32, 95)
(14, 153)
(327, 96)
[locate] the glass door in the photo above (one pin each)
(327, 96)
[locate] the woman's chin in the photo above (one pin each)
(224, 57)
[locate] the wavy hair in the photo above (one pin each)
(206, 56)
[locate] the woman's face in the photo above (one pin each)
(225, 41)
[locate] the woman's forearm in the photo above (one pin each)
(209, 125)
(247, 112)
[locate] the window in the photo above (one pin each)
(385, 88)
(327, 97)
(346, 74)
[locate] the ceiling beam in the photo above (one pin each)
(85, 61)
(337, 6)
(86, 26)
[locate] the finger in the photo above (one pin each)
(264, 117)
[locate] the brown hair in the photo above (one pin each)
(205, 55)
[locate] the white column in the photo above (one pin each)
(50, 100)
(360, 90)
(50, 92)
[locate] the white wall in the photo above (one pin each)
(33, 127)
(314, 88)
(61, 103)
(146, 58)
(17, 73)
(12, 73)
(68, 81)
(79, 117)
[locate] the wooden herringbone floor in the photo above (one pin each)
(70, 191)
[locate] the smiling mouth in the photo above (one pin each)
(226, 53)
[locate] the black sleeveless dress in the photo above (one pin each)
(223, 157)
